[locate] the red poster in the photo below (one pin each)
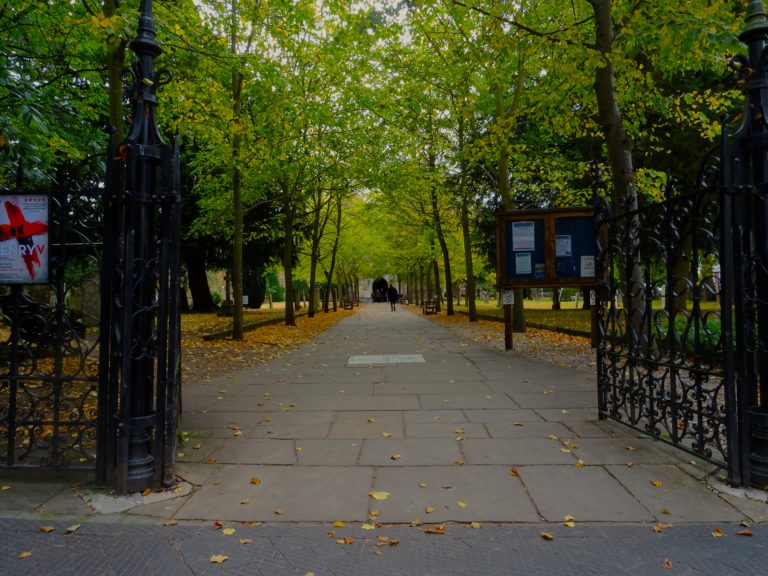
(24, 239)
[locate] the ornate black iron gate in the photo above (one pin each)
(48, 341)
(660, 352)
(683, 311)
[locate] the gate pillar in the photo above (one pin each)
(139, 353)
(745, 253)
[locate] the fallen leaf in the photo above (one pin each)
(717, 533)
(513, 472)
(656, 483)
(171, 522)
(416, 522)
(47, 529)
(219, 558)
(245, 501)
(279, 511)
(631, 448)
(429, 509)
(659, 526)
(338, 524)
(393, 542)
(458, 463)
(245, 540)
(547, 536)
(228, 531)
(25, 555)
(667, 564)
(386, 434)
(212, 461)
(553, 437)
(73, 528)
(665, 511)
(376, 495)
(6, 487)
(439, 529)
(371, 420)
(368, 526)
(566, 450)
(475, 525)
(378, 552)
(395, 457)
(579, 463)
(462, 504)
(744, 532)
(218, 525)
(423, 484)
(459, 431)
(251, 523)
(255, 480)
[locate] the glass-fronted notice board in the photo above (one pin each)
(539, 248)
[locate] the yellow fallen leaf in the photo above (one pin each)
(25, 555)
(458, 463)
(267, 419)
(665, 511)
(247, 523)
(255, 480)
(553, 437)
(579, 463)
(73, 528)
(513, 472)
(47, 529)
(475, 525)
(439, 529)
(569, 523)
(656, 483)
(667, 563)
(171, 522)
(245, 501)
(228, 531)
(368, 526)
(459, 431)
(395, 457)
(462, 504)
(423, 484)
(659, 526)
(212, 461)
(371, 420)
(386, 434)
(717, 533)
(279, 511)
(429, 509)
(376, 495)
(566, 450)
(631, 448)
(245, 540)
(547, 536)
(219, 558)
(6, 487)
(338, 524)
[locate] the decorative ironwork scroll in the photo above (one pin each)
(660, 353)
(48, 344)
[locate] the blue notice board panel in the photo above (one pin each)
(538, 248)
(525, 260)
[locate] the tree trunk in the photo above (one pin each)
(466, 230)
(290, 293)
(202, 301)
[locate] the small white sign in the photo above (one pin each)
(587, 266)
(508, 297)
(563, 246)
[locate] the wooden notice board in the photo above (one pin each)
(545, 248)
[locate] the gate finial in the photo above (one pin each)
(756, 21)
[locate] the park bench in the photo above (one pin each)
(347, 303)
(429, 307)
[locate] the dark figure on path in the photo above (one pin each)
(392, 296)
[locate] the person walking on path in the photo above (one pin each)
(392, 295)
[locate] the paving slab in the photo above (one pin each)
(284, 493)
(441, 494)
(588, 493)
(411, 452)
(515, 451)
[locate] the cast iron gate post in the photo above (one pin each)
(745, 256)
(139, 384)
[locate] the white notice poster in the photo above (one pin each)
(523, 264)
(563, 246)
(523, 236)
(587, 266)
